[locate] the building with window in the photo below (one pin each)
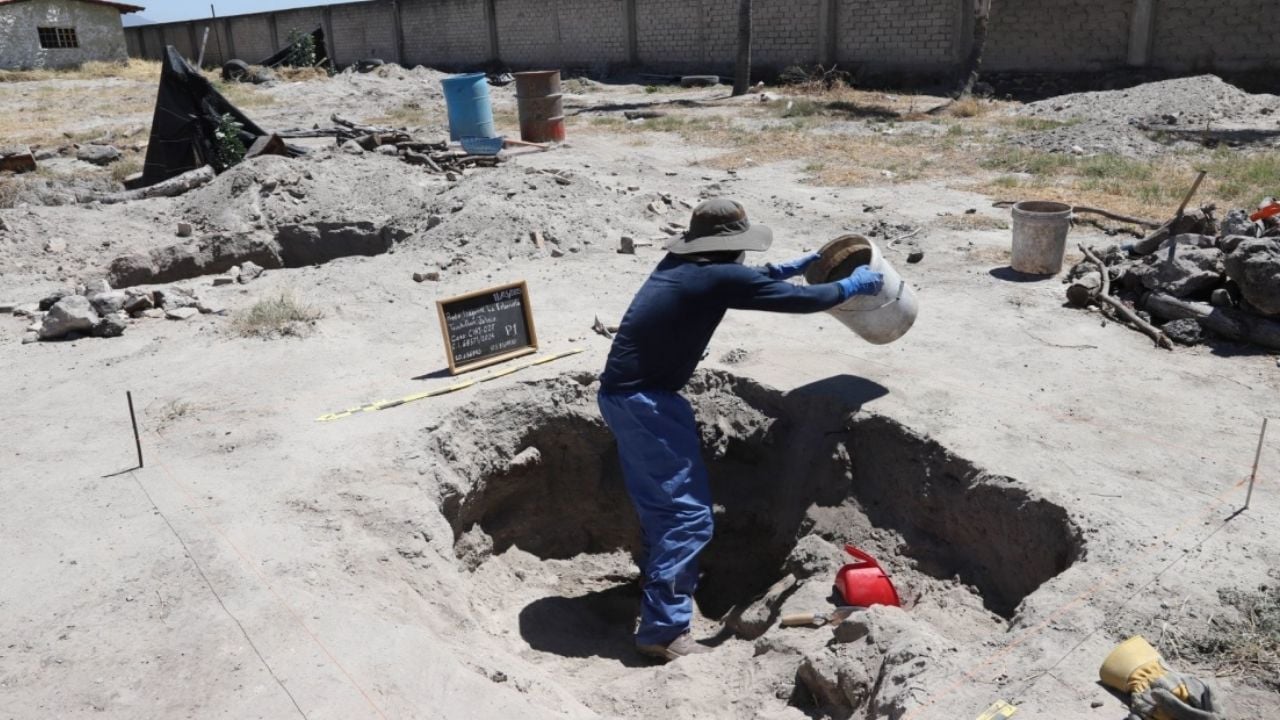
(60, 33)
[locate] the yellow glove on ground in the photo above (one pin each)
(1156, 692)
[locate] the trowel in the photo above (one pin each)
(835, 617)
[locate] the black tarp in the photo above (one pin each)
(188, 112)
(322, 55)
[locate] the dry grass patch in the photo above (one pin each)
(126, 166)
(96, 70)
(301, 74)
(1247, 646)
(973, 221)
(1149, 188)
(278, 316)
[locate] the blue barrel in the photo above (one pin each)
(470, 114)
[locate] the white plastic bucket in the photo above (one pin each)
(1040, 236)
(881, 318)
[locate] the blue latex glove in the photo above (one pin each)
(863, 281)
(791, 268)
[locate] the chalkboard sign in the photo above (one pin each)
(487, 326)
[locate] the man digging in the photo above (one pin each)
(659, 343)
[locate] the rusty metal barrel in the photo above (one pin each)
(541, 106)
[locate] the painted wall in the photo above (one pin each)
(98, 31)
(700, 35)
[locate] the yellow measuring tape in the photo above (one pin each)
(386, 404)
(1000, 709)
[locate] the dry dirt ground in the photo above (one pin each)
(1040, 483)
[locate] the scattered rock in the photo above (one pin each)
(1096, 704)
(425, 276)
(556, 251)
(1254, 265)
(72, 313)
(813, 556)
(52, 298)
(433, 221)
(153, 313)
(27, 310)
(249, 271)
(98, 154)
(111, 325)
(388, 150)
(1237, 222)
(7, 308)
(182, 313)
(1180, 269)
(223, 280)
(176, 297)
(657, 207)
(627, 245)
(351, 147)
(137, 301)
(735, 356)
(1221, 298)
(30, 338)
(106, 303)
(1229, 243)
(17, 159)
(56, 246)
(184, 229)
(1183, 332)
(915, 256)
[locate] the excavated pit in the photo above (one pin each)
(536, 468)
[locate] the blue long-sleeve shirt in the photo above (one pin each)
(670, 322)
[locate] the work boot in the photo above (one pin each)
(678, 648)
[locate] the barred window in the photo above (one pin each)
(57, 38)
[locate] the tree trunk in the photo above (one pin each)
(742, 74)
(973, 64)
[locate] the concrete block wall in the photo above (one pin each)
(701, 35)
(908, 34)
(669, 33)
(253, 37)
(1060, 35)
(445, 33)
(1197, 35)
(528, 31)
(363, 30)
(592, 32)
(783, 34)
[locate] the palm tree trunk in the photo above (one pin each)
(742, 74)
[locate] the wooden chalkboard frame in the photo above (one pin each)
(532, 347)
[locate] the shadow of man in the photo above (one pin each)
(597, 624)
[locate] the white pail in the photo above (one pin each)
(881, 318)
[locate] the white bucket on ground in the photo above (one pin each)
(881, 318)
(1040, 236)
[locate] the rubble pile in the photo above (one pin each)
(98, 310)
(1196, 279)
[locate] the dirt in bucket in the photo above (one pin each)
(840, 258)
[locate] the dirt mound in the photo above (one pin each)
(1125, 122)
(1192, 101)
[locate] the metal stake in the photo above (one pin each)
(1253, 476)
(134, 419)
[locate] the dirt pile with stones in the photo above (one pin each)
(1152, 118)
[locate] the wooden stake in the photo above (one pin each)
(137, 440)
(1253, 476)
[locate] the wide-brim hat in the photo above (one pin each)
(721, 225)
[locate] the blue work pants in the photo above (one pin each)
(662, 467)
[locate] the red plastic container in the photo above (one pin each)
(863, 583)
